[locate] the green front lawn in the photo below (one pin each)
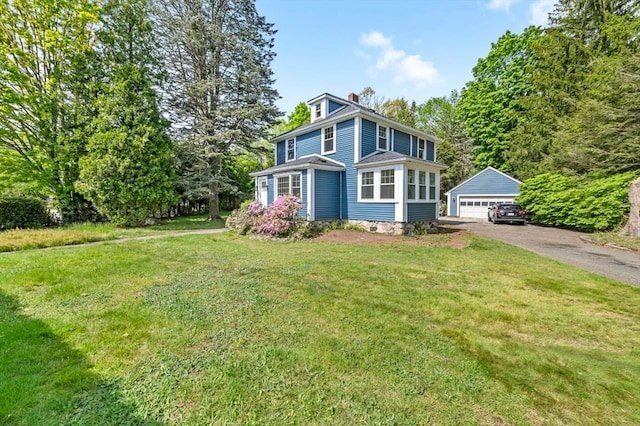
(24, 239)
(219, 329)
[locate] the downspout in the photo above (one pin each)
(341, 173)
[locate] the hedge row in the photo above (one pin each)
(23, 213)
(584, 203)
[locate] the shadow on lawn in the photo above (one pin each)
(44, 381)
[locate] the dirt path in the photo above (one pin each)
(560, 244)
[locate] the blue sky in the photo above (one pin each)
(416, 49)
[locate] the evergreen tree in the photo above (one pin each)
(218, 55)
(128, 170)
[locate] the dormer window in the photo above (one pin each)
(291, 149)
(382, 138)
(318, 110)
(328, 140)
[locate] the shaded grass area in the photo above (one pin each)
(24, 239)
(227, 330)
(625, 241)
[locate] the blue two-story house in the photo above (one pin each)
(357, 166)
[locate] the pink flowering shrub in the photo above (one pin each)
(280, 219)
(243, 219)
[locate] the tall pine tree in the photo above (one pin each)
(218, 56)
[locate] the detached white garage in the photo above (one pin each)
(473, 197)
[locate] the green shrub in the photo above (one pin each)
(23, 213)
(587, 203)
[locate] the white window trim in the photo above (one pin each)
(427, 171)
(378, 126)
(398, 182)
(287, 175)
(286, 150)
(322, 151)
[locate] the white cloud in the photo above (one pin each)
(501, 4)
(405, 68)
(540, 10)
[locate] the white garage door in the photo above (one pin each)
(478, 206)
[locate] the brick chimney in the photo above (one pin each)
(353, 97)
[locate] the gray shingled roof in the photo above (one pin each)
(384, 156)
(302, 163)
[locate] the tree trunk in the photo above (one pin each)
(632, 227)
(214, 201)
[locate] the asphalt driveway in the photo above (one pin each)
(562, 245)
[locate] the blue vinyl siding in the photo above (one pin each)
(382, 212)
(344, 154)
(327, 195)
(401, 142)
(431, 151)
(421, 211)
(308, 144)
(280, 152)
(334, 106)
(368, 138)
(487, 182)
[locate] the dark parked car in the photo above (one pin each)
(507, 212)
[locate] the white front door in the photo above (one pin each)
(263, 191)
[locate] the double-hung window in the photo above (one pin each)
(383, 138)
(366, 186)
(411, 184)
(422, 185)
(289, 185)
(291, 149)
(421, 148)
(318, 110)
(387, 184)
(432, 186)
(328, 140)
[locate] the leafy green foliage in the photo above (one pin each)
(443, 118)
(589, 204)
(47, 70)
(490, 102)
(23, 213)
(128, 172)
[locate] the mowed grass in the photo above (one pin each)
(24, 239)
(219, 329)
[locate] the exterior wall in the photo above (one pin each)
(308, 144)
(401, 142)
(398, 228)
(488, 182)
(421, 211)
(280, 153)
(327, 195)
(334, 106)
(368, 138)
(414, 146)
